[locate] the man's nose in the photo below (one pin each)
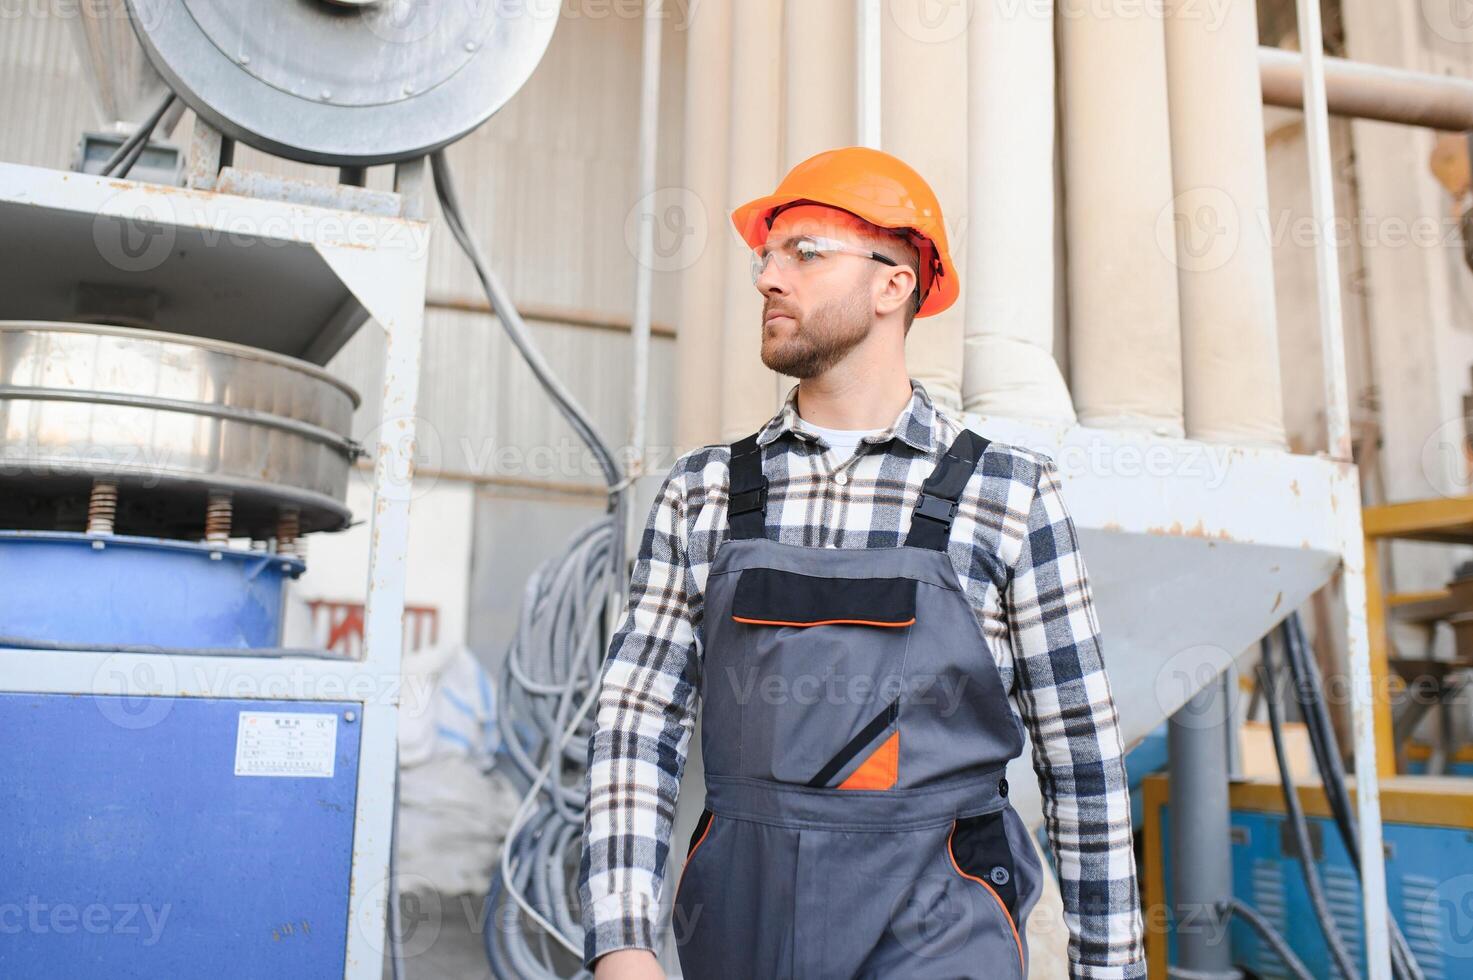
(770, 280)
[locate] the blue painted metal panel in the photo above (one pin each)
(129, 847)
(138, 592)
(1148, 757)
(1429, 883)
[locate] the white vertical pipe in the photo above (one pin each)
(1225, 274)
(698, 340)
(1352, 543)
(1008, 365)
(1124, 320)
(867, 71)
(639, 330)
(925, 70)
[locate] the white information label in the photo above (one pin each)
(286, 743)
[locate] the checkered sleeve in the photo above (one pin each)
(642, 726)
(1065, 700)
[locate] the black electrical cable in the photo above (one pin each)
(515, 328)
(1270, 935)
(395, 924)
(126, 155)
(1309, 691)
(1267, 679)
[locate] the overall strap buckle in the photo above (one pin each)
(935, 508)
(942, 490)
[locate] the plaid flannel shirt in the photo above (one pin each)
(1014, 547)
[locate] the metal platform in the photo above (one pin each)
(261, 273)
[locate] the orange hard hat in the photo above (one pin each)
(877, 187)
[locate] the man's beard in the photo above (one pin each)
(822, 338)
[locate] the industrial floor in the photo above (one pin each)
(444, 940)
(444, 944)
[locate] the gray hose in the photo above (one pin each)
(1267, 678)
(1268, 933)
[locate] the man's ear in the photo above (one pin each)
(898, 290)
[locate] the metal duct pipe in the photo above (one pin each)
(819, 95)
(1124, 320)
(1008, 365)
(1225, 273)
(750, 390)
(1363, 91)
(698, 342)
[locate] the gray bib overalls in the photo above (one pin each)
(855, 735)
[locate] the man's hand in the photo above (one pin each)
(628, 964)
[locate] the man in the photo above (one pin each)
(867, 602)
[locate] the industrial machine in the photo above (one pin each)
(1429, 874)
(185, 796)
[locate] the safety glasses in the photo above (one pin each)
(806, 252)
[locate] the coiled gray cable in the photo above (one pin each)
(548, 685)
(548, 682)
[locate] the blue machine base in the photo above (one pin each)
(1429, 886)
(129, 847)
(105, 591)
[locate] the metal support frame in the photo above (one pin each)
(382, 261)
(1352, 541)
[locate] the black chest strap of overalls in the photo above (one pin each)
(746, 513)
(930, 523)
